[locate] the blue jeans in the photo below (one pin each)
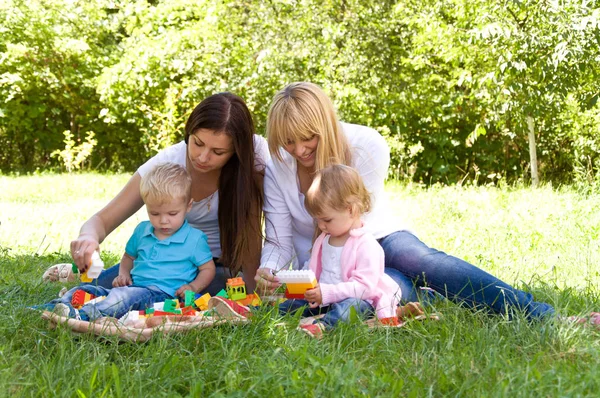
(118, 301)
(106, 277)
(334, 313)
(456, 279)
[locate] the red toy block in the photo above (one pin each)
(189, 310)
(80, 297)
(293, 296)
(165, 313)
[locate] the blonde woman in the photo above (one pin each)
(305, 136)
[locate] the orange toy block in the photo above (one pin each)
(251, 299)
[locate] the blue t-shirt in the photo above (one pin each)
(169, 263)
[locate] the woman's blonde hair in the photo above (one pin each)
(337, 187)
(298, 113)
(166, 182)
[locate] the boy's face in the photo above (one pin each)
(168, 217)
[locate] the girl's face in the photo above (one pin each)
(304, 151)
(209, 151)
(336, 223)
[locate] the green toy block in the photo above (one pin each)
(170, 305)
(149, 311)
(189, 298)
(74, 269)
(223, 293)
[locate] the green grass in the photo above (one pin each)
(545, 241)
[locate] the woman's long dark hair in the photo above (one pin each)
(240, 184)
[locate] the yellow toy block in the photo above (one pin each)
(202, 302)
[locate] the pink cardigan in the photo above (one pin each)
(362, 274)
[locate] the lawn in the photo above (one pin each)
(545, 241)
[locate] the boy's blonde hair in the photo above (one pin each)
(298, 113)
(166, 182)
(337, 187)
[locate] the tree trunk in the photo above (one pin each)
(532, 153)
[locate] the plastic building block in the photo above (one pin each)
(251, 299)
(95, 268)
(223, 293)
(96, 300)
(165, 313)
(149, 311)
(170, 305)
(81, 297)
(188, 311)
(391, 321)
(297, 282)
(189, 298)
(236, 289)
(131, 316)
(158, 306)
(202, 302)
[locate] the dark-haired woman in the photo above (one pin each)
(226, 161)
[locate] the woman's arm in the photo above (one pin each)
(372, 160)
(278, 248)
(100, 225)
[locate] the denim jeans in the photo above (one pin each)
(118, 301)
(456, 279)
(334, 313)
(107, 276)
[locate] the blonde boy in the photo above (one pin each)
(164, 257)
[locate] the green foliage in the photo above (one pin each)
(73, 156)
(448, 83)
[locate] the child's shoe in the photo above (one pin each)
(60, 272)
(228, 309)
(62, 309)
(314, 330)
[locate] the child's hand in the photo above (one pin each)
(313, 296)
(181, 291)
(122, 280)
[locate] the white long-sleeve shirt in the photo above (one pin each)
(290, 228)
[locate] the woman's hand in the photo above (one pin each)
(266, 282)
(314, 297)
(82, 249)
(122, 280)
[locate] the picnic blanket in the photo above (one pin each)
(141, 330)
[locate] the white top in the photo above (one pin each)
(289, 227)
(330, 258)
(200, 217)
